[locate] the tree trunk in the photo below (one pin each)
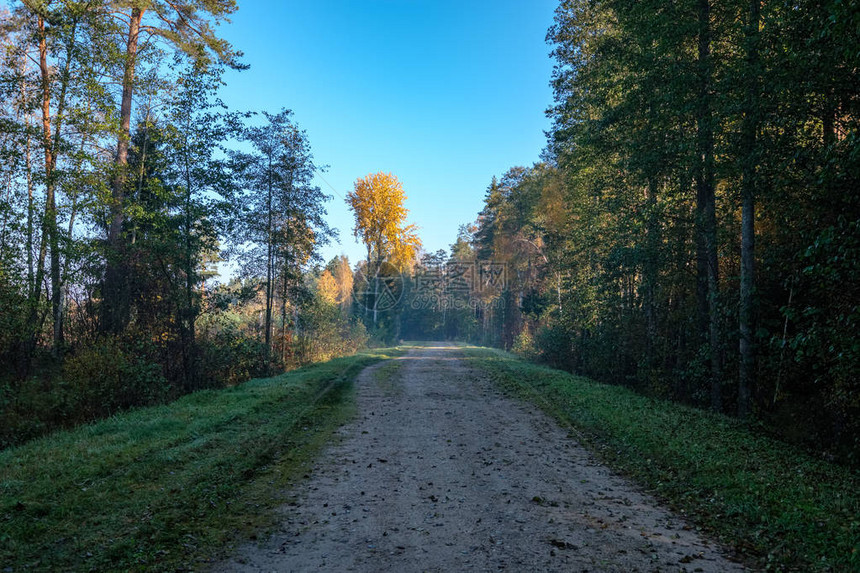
(650, 269)
(749, 129)
(367, 287)
(287, 262)
(31, 208)
(376, 289)
(188, 317)
(706, 220)
(269, 262)
(294, 311)
(284, 322)
(115, 311)
(56, 269)
(49, 220)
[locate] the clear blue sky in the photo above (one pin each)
(444, 94)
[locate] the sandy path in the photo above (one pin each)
(440, 472)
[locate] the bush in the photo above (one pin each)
(524, 345)
(231, 357)
(28, 409)
(328, 333)
(556, 350)
(104, 379)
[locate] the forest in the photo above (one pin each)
(692, 230)
(126, 182)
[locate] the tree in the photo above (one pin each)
(110, 129)
(707, 260)
(327, 288)
(58, 36)
(197, 128)
(61, 87)
(377, 203)
(749, 161)
(341, 272)
(186, 26)
(282, 217)
(175, 201)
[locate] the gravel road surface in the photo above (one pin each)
(441, 472)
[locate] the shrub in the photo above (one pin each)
(328, 333)
(104, 379)
(554, 342)
(524, 345)
(231, 357)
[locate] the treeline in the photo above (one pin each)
(694, 228)
(124, 183)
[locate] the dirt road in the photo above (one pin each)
(440, 472)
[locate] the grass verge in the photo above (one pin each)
(387, 378)
(779, 507)
(169, 487)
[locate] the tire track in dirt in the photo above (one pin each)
(441, 472)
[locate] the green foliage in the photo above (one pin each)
(824, 341)
(99, 381)
(280, 219)
(327, 332)
(555, 346)
(27, 410)
(774, 503)
(110, 375)
(104, 379)
(524, 346)
(169, 205)
(12, 316)
(624, 245)
(230, 357)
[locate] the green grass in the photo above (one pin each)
(387, 378)
(779, 507)
(165, 488)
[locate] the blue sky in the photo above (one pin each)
(444, 94)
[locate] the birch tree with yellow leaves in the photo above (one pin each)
(377, 202)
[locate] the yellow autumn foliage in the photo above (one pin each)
(344, 280)
(377, 203)
(327, 288)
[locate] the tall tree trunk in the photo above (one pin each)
(188, 316)
(376, 289)
(31, 212)
(269, 262)
(284, 295)
(706, 219)
(115, 311)
(749, 158)
(56, 269)
(650, 269)
(49, 220)
(367, 288)
(290, 258)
